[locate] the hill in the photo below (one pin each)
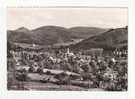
(85, 32)
(112, 38)
(46, 35)
(51, 35)
(21, 35)
(22, 29)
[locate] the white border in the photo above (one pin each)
(92, 3)
(4, 94)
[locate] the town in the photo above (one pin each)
(77, 70)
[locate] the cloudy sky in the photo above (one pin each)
(67, 17)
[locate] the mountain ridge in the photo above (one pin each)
(48, 35)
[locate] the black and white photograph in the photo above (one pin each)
(67, 48)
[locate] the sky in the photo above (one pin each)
(32, 18)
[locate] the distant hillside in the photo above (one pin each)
(22, 29)
(111, 39)
(85, 32)
(19, 36)
(49, 35)
(46, 35)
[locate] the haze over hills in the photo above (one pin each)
(49, 35)
(113, 38)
